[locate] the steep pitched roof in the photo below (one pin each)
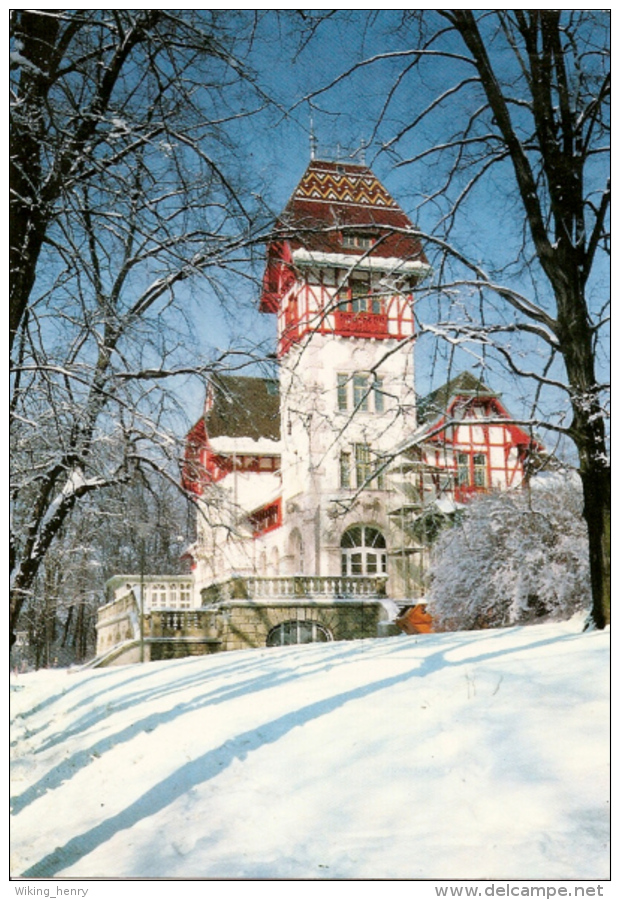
(242, 406)
(332, 195)
(464, 385)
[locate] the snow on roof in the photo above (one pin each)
(245, 445)
(251, 490)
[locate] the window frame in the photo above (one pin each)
(353, 241)
(354, 391)
(362, 548)
(284, 630)
(480, 470)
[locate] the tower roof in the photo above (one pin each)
(335, 198)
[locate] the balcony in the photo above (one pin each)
(361, 324)
(295, 588)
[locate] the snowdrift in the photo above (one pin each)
(471, 755)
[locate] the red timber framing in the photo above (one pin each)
(345, 259)
(480, 452)
(194, 473)
(321, 309)
(266, 519)
(203, 466)
(278, 278)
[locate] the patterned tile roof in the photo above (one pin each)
(342, 183)
(333, 198)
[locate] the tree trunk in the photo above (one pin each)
(588, 432)
(596, 483)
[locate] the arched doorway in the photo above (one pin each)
(363, 551)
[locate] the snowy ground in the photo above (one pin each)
(472, 755)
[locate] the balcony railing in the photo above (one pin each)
(361, 323)
(295, 588)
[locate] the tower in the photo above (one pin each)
(338, 279)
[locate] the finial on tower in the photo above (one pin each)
(312, 137)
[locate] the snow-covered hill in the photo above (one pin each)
(471, 755)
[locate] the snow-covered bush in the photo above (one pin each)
(513, 557)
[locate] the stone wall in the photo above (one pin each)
(237, 623)
(117, 621)
(245, 624)
(168, 634)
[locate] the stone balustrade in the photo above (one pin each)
(295, 587)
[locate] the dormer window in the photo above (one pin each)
(357, 241)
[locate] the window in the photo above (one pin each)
(173, 596)
(365, 395)
(363, 468)
(357, 241)
(471, 470)
(361, 390)
(462, 469)
(296, 552)
(366, 476)
(186, 596)
(480, 470)
(158, 596)
(343, 392)
(298, 632)
(363, 551)
(360, 294)
(356, 295)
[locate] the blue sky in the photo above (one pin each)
(276, 149)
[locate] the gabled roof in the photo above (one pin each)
(435, 410)
(243, 406)
(332, 195)
(436, 403)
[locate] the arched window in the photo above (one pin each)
(297, 632)
(363, 551)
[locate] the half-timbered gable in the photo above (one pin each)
(467, 433)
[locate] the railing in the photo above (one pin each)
(361, 323)
(186, 622)
(295, 588)
(119, 622)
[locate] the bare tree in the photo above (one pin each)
(124, 188)
(517, 109)
(104, 536)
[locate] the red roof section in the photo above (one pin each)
(332, 196)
